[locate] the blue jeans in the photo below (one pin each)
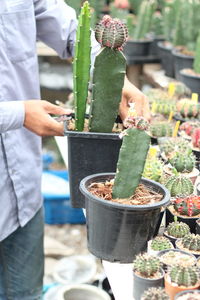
(22, 262)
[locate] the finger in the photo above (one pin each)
(54, 109)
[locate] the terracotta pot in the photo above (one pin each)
(172, 289)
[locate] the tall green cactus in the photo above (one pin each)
(81, 65)
(133, 152)
(109, 74)
(196, 64)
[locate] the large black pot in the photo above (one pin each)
(141, 284)
(167, 59)
(89, 153)
(191, 81)
(118, 232)
(181, 61)
(133, 48)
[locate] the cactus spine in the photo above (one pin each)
(109, 73)
(161, 243)
(191, 242)
(188, 206)
(183, 162)
(133, 151)
(179, 185)
(146, 265)
(155, 294)
(177, 229)
(196, 64)
(81, 66)
(184, 276)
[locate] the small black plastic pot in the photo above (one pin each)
(189, 292)
(141, 284)
(154, 50)
(181, 61)
(191, 81)
(89, 153)
(190, 221)
(198, 226)
(117, 232)
(167, 59)
(136, 48)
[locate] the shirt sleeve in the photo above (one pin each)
(56, 26)
(12, 115)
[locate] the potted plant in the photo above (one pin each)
(159, 243)
(190, 243)
(147, 273)
(176, 230)
(160, 129)
(187, 109)
(169, 146)
(180, 278)
(188, 295)
(196, 143)
(85, 145)
(178, 184)
(155, 294)
(121, 214)
(186, 209)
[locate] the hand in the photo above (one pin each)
(131, 94)
(38, 120)
(123, 4)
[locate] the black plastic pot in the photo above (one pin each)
(197, 155)
(198, 226)
(154, 50)
(181, 61)
(172, 239)
(167, 59)
(136, 48)
(89, 153)
(141, 284)
(191, 81)
(177, 296)
(159, 223)
(191, 222)
(118, 232)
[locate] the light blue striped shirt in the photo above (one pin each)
(22, 22)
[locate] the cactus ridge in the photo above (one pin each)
(146, 265)
(189, 206)
(179, 186)
(184, 276)
(161, 243)
(177, 229)
(155, 294)
(183, 162)
(191, 242)
(188, 108)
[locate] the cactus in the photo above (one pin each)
(179, 185)
(153, 168)
(155, 294)
(109, 73)
(164, 108)
(130, 24)
(196, 64)
(133, 151)
(196, 138)
(178, 39)
(189, 127)
(146, 265)
(183, 162)
(161, 129)
(177, 229)
(184, 276)
(161, 243)
(187, 108)
(191, 242)
(81, 66)
(144, 19)
(188, 206)
(157, 24)
(171, 145)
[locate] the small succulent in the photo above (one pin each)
(187, 108)
(191, 242)
(184, 276)
(172, 145)
(188, 206)
(161, 243)
(153, 168)
(155, 294)
(177, 229)
(173, 257)
(179, 185)
(183, 162)
(161, 129)
(146, 265)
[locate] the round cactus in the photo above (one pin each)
(171, 145)
(196, 138)
(153, 168)
(183, 162)
(161, 129)
(137, 122)
(188, 206)
(187, 108)
(177, 229)
(146, 265)
(179, 185)
(155, 294)
(111, 33)
(161, 243)
(191, 242)
(184, 276)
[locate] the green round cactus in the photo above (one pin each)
(171, 145)
(161, 243)
(146, 265)
(184, 276)
(153, 168)
(177, 229)
(191, 242)
(183, 162)
(161, 129)
(179, 185)
(155, 294)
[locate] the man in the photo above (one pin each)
(22, 121)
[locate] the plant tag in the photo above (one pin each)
(171, 89)
(195, 97)
(153, 109)
(176, 128)
(170, 116)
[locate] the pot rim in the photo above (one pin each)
(92, 135)
(184, 74)
(182, 216)
(151, 279)
(161, 45)
(162, 252)
(164, 202)
(185, 293)
(177, 53)
(145, 41)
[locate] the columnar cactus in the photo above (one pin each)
(179, 185)
(146, 265)
(161, 129)
(191, 242)
(81, 66)
(161, 243)
(188, 206)
(187, 108)
(109, 74)
(133, 151)
(155, 294)
(183, 162)
(196, 64)
(153, 168)
(177, 229)
(196, 138)
(184, 276)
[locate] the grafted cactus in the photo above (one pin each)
(155, 294)
(188, 206)
(196, 138)
(109, 74)
(184, 276)
(179, 185)
(188, 108)
(146, 265)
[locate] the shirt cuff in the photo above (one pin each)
(12, 115)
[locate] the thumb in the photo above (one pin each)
(54, 109)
